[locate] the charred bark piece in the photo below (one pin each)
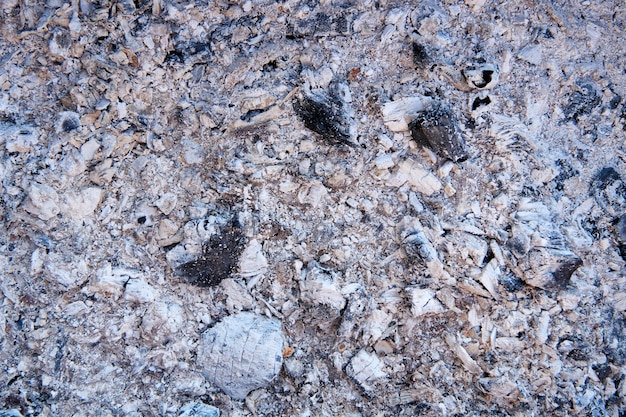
(325, 113)
(220, 255)
(437, 129)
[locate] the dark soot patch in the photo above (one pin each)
(220, 256)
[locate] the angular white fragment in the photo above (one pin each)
(384, 161)
(476, 248)
(43, 201)
(542, 327)
(505, 129)
(417, 176)
(75, 308)
(20, 138)
(365, 368)
(423, 301)
(73, 163)
(112, 280)
(66, 274)
(242, 353)
(167, 203)
(313, 194)
(83, 203)
(253, 262)
(468, 362)
(620, 301)
(237, 297)
(499, 388)
(319, 287)
(167, 233)
(474, 316)
(375, 325)
(489, 277)
(198, 409)
(532, 54)
(397, 114)
(88, 149)
(139, 291)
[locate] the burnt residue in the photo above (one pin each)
(220, 256)
(511, 282)
(324, 113)
(437, 129)
(480, 102)
(581, 102)
(420, 56)
(620, 232)
(604, 177)
(609, 190)
(564, 272)
(189, 51)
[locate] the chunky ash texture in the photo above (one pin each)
(407, 279)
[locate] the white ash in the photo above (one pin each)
(131, 133)
(241, 353)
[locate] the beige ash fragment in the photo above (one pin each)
(417, 176)
(252, 262)
(319, 286)
(543, 326)
(397, 114)
(423, 301)
(468, 362)
(111, 280)
(166, 203)
(82, 204)
(168, 233)
(19, 139)
(500, 389)
(43, 201)
(69, 275)
(489, 277)
(375, 326)
(366, 368)
(237, 296)
(313, 193)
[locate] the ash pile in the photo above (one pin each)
(312, 208)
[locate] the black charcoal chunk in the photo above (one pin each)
(602, 370)
(564, 272)
(437, 129)
(609, 191)
(480, 102)
(420, 56)
(581, 102)
(193, 51)
(604, 177)
(325, 113)
(511, 282)
(220, 256)
(620, 231)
